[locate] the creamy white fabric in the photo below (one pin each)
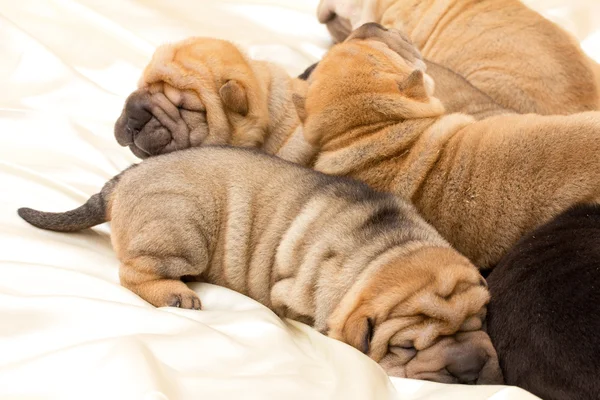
(67, 329)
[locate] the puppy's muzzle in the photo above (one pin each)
(139, 126)
(468, 358)
(467, 364)
(136, 118)
(465, 358)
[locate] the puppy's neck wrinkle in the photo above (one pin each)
(424, 154)
(338, 273)
(372, 157)
(358, 133)
(317, 239)
(320, 239)
(399, 158)
(388, 229)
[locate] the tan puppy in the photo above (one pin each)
(482, 184)
(521, 60)
(359, 265)
(206, 91)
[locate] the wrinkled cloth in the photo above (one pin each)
(68, 330)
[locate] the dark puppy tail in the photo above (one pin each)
(92, 213)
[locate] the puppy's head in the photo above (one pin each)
(197, 91)
(376, 77)
(421, 317)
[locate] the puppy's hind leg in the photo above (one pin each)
(153, 279)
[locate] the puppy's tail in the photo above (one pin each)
(92, 213)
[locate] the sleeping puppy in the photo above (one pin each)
(544, 316)
(521, 60)
(359, 265)
(206, 91)
(482, 184)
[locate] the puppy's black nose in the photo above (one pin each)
(467, 364)
(134, 117)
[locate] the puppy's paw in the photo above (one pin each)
(187, 299)
(165, 293)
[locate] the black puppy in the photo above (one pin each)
(544, 316)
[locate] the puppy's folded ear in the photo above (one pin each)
(300, 104)
(414, 86)
(234, 97)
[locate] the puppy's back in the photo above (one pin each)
(255, 224)
(544, 316)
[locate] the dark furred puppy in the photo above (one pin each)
(544, 316)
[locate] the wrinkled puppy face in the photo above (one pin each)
(375, 77)
(421, 318)
(197, 91)
(152, 122)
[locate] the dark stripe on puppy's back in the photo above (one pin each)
(382, 216)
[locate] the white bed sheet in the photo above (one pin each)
(67, 329)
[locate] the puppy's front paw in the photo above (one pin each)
(184, 299)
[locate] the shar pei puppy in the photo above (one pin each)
(510, 52)
(359, 265)
(482, 184)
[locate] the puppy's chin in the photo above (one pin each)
(150, 124)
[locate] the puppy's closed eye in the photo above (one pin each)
(358, 331)
(366, 344)
(406, 345)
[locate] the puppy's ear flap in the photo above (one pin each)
(300, 104)
(414, 86)
(358, 332)
(306, 74)
(234, 97)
